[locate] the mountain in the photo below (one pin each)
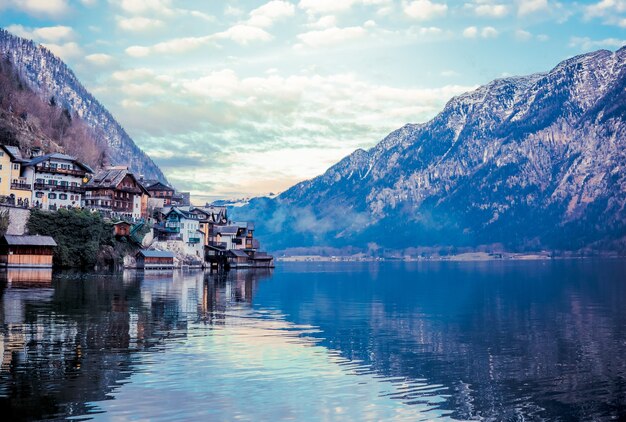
(527, 162)
(47, 75)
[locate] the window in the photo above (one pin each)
(39, 194)
(63, 196)
(0, 166)
(1, 153)
(52, 196)
(16, 166)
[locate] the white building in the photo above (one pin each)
(57, 180)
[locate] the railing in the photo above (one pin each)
(68, 188)
(21, 186)
(58, 170)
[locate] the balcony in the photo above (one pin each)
(21, 186)
(64, 188)
(58, 170)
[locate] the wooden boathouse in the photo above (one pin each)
(26, 251)
(154, 260)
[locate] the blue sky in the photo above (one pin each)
(236, 98)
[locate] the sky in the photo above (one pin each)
(241, 98)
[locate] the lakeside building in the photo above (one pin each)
(116, 193)
(12, 185)
(159, 190)
(56, 179)
(154, 260)
(26, 251)
(184, 226)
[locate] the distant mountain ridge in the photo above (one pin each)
(530, 162)
(49, 75)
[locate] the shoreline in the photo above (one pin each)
(464, 257)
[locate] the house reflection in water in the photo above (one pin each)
(68, 340)
(26, 277)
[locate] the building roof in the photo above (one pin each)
(110, 178)
(155, 254)
(58, 156)
(226, 230)
(29, 240)
(159, 186)
(121, 222)
(239, 253)
(14, 152)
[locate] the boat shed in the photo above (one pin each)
(154, 260)
(26, 251)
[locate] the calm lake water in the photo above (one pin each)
(334, 341)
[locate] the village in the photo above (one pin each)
(167, 230)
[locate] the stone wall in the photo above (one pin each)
(18, 217)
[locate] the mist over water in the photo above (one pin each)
(331, 341)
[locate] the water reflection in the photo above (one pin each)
(492, 341)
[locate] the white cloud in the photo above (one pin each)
(241, 34)
(522, 35)
(139, 7)
(525, 7)
(331, 36)
(586, 43)
(607, 10)
(38, 8)
(66, 51)
(491, 10)
(138, 23)
(317, 7)
(99, 59)
(324, 22)
(489, 32)
(52, 34)
(485, 32)
(290, 118)
(425, 9)
(89, 3)
(265, 16)
(470, 32)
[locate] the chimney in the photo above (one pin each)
(36, 152)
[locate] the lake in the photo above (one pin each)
(514, 340)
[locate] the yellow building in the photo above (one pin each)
(12, 185)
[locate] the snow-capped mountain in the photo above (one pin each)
(530, 162)
(47, 74)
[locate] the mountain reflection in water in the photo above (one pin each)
(335, 341)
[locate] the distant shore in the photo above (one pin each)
(462, 257)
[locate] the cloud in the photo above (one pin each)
(49, 34)
(265, 16)
(38, 8)
(317, 7)
(323, 22)
(140, 7)
(610, 11)
(525, 7)
(522, 35)
(586, 43)
(241, 34)
(66, 51)
(485, 32)
(99, 59)
(488, 9)
(307, 122)
(138, 23)
(425, 9)
(331, 36)
(489, 32)
(470, 32)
